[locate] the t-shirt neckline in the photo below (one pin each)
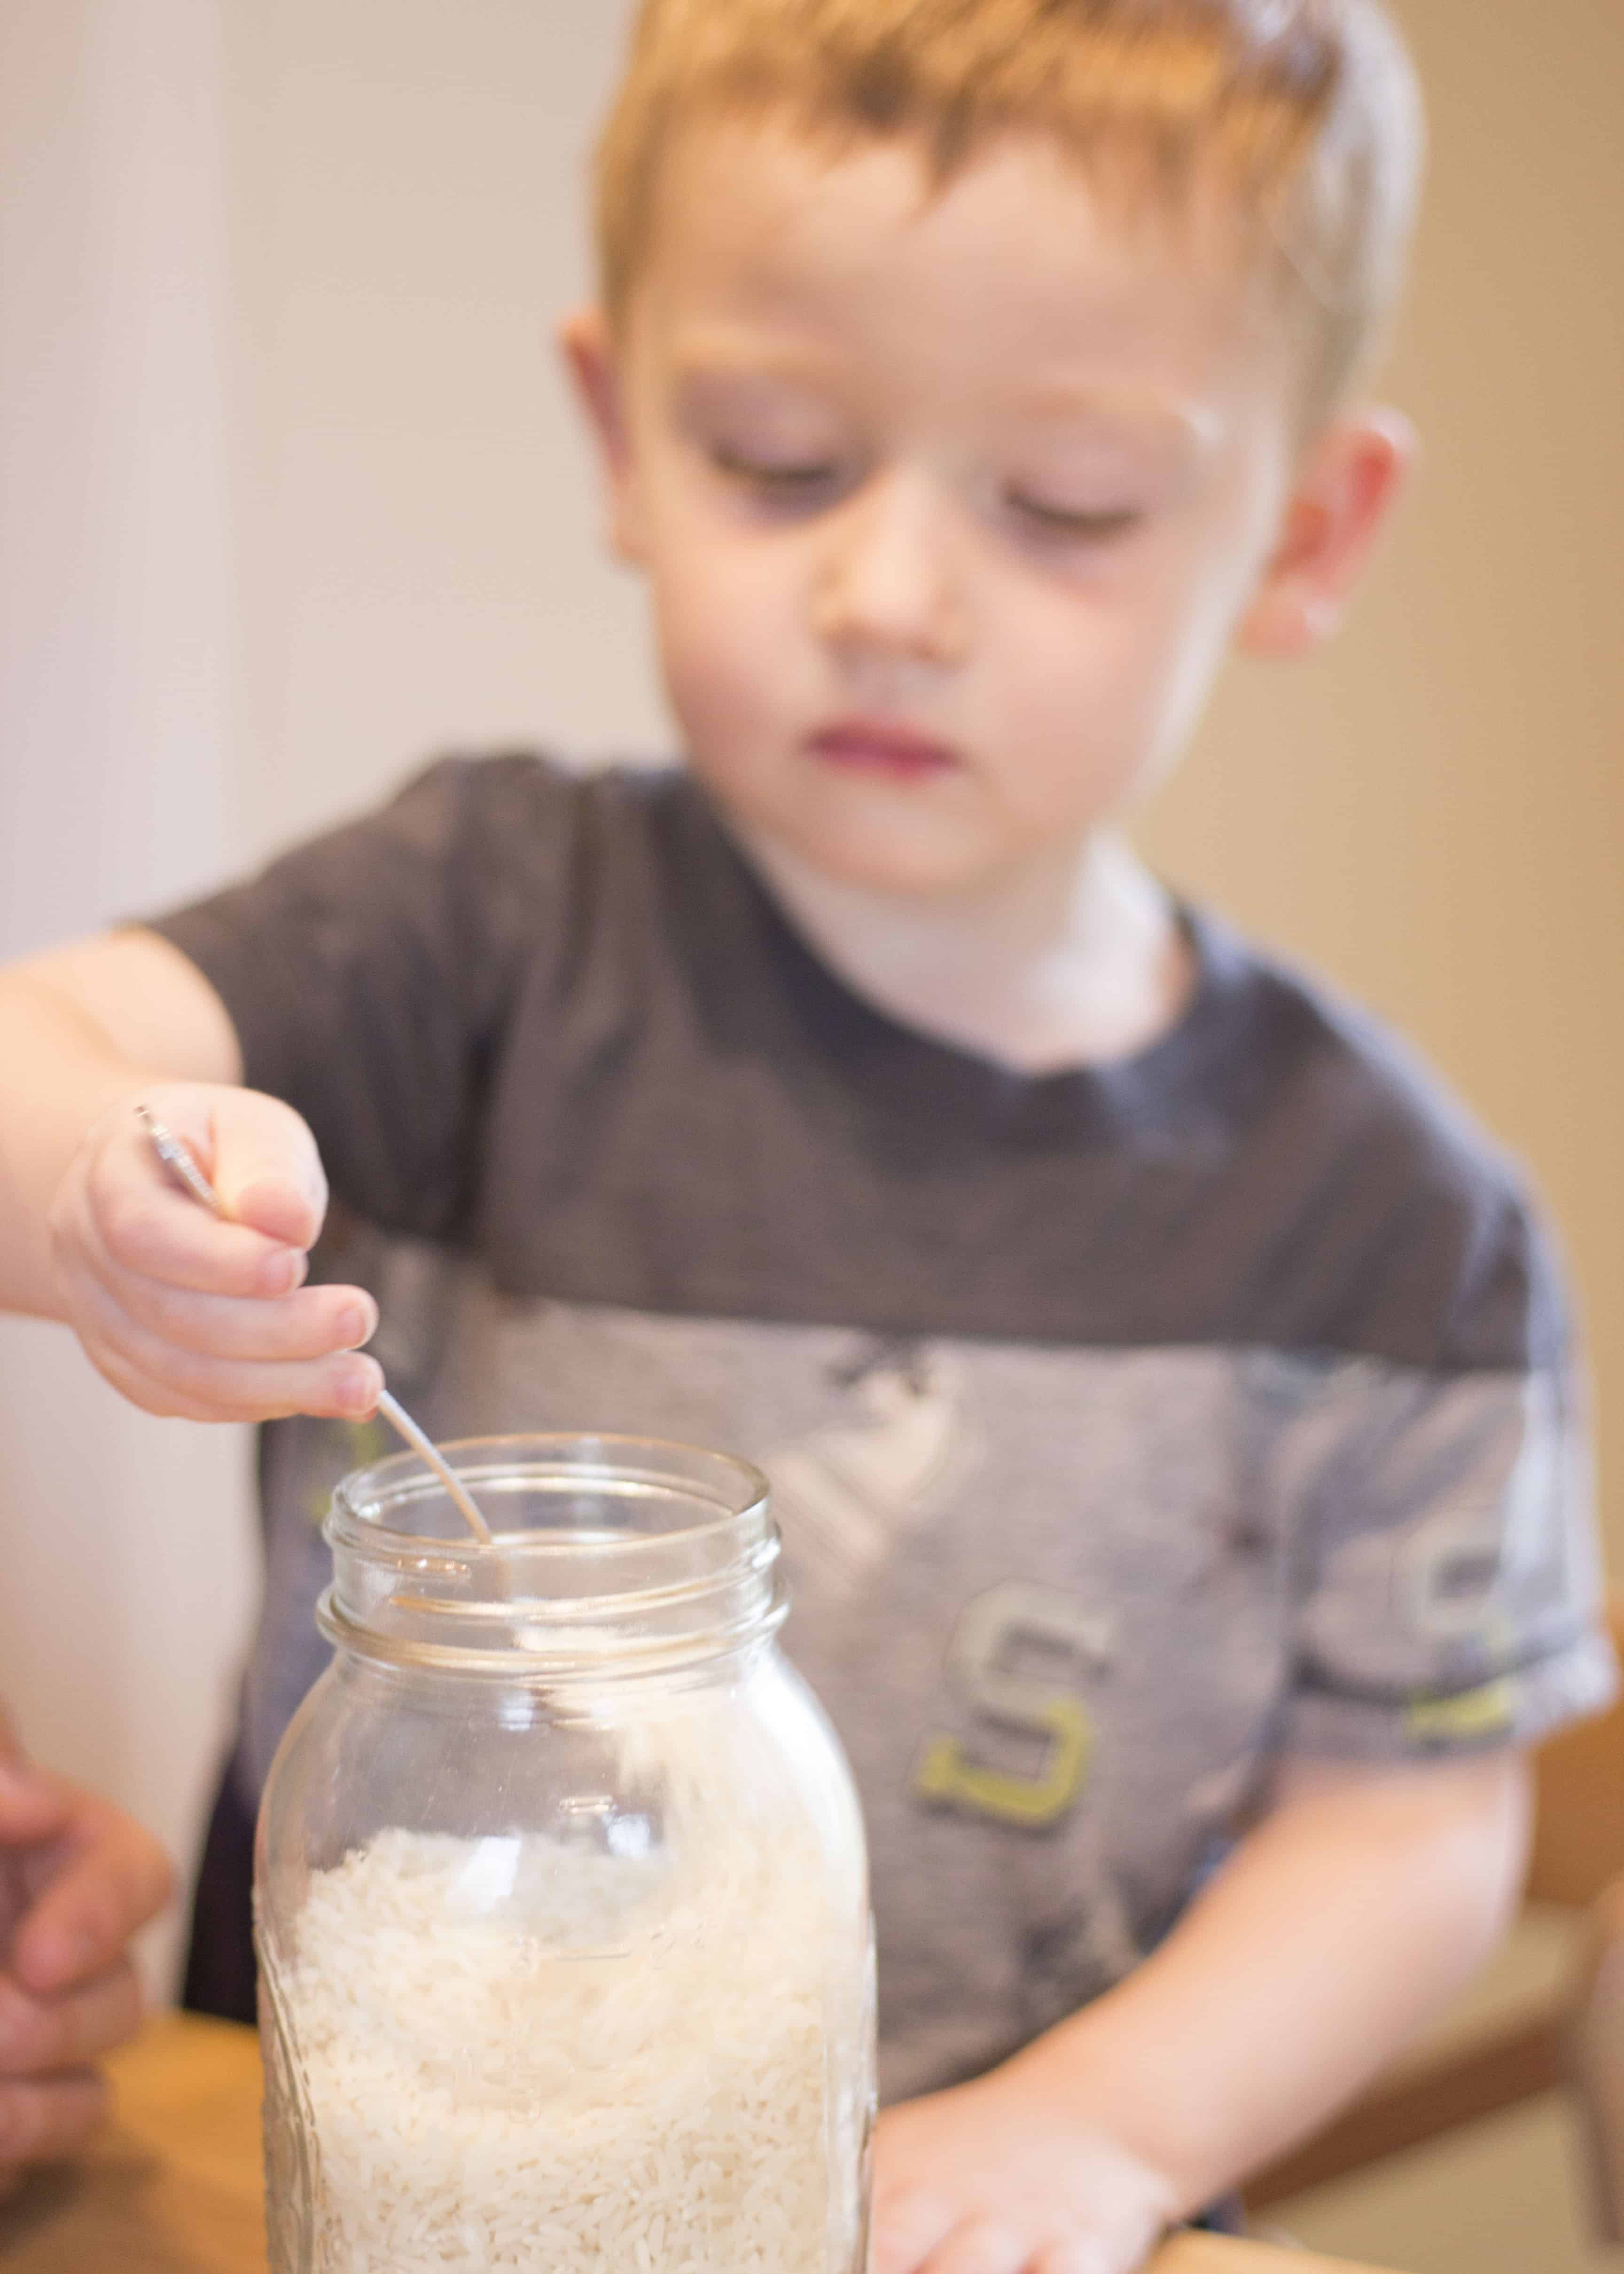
(1169, 1083)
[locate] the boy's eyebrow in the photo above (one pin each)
(1150, 409)
(722, 354)
(738, 354)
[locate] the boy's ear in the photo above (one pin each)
(1344, 491)
(594, 362)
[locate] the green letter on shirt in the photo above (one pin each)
(983, 1642)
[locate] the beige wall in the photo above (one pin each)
(126, 1561)
(1433, 812)
(422, 534)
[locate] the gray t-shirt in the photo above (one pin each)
(1128, 1427)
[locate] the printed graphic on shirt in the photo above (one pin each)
(853, 1490)
(1472, 1715)
(983, 1658)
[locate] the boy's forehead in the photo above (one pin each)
(773, 245)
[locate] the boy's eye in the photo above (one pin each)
(1076, 524)
(782, 477)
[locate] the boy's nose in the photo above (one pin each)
(887, 583)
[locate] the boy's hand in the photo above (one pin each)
(992, 2178)
(77, 1879)
(188, 1314)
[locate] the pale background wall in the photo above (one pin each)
(290, 494)
(125, 1573)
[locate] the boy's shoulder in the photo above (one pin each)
(534, 838)
(511, 804)
(1375, 1182)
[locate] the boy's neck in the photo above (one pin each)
(1075, 960)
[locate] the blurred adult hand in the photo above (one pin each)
(78, 1878)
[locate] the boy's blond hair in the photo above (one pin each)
(1305, 113)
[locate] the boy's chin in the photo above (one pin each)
(908, 844)
(921, 864)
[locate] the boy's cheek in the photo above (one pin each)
(730, 724)
(731, 644)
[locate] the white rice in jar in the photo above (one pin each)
(520, 2053)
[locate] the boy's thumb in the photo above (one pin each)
(267, 1172)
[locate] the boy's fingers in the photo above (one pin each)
(136, 1223)
(38, 2121)
(113, 1877)
(1075, 2257)
(266, 1167)
(199, 1383)
(187, 1388)
(257, 1153)
(313, 1323)
(980, 2246)
(40, 2036)
(269, 1204)
(909, 2223)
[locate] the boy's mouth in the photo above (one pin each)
(868, 745)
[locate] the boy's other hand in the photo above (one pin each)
(991, 2178)
(78, 1877)
(193, 1315)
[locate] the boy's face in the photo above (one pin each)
(951, 507)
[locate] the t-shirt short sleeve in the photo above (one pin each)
(369, 973)
(1451, 1591)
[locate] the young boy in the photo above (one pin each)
(1164, 1388)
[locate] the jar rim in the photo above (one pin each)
(608, 1589)
(508, 1460)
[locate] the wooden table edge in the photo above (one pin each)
(173, 2185)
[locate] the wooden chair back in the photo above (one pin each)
(1578, 1846)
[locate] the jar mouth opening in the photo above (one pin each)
(615, 1552)
(705, 1495)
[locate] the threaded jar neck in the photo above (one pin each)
(612, 1558)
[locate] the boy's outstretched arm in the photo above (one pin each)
(1335, 1929)
(183, 1314)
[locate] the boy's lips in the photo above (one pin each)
(869, 745)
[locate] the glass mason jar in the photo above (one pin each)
(561, 1904)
